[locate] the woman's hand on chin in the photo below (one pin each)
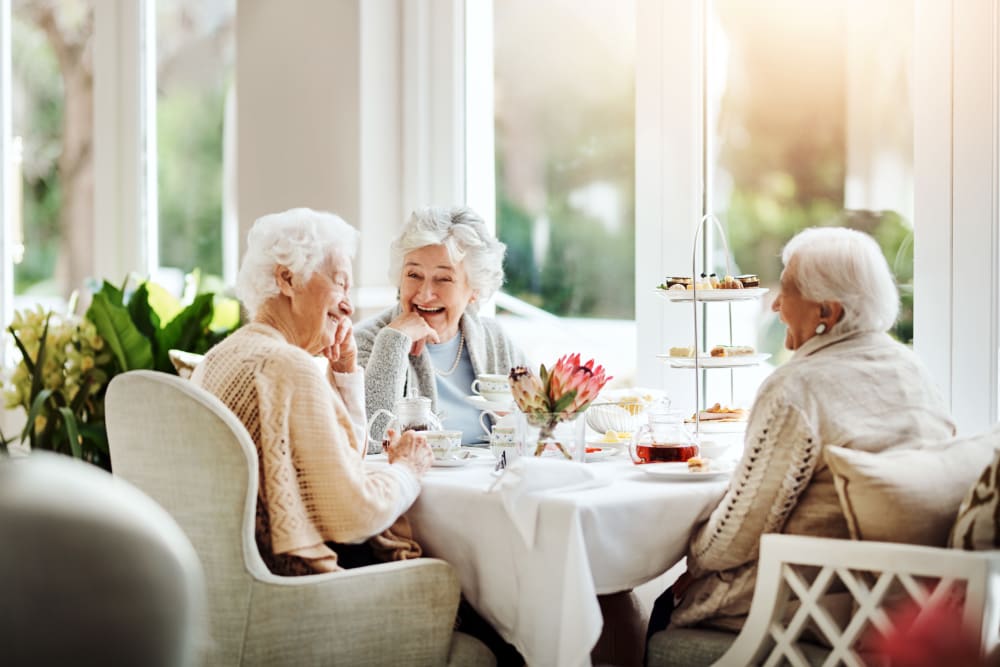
(417, 329)
(343, 352)
(411, 448)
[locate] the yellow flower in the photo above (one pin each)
(86, 363)
(40, 422)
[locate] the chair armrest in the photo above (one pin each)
(397, 613)
(979, 570)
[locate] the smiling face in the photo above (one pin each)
(435, 288)
(800, 315)
(317, 306)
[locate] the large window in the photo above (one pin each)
(52, 108)
(195, 51)
(565, 174)
(810, 122)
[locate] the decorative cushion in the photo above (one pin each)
(909, 495)
(978, 523)
(184, 362)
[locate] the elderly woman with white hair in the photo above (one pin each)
(318, 507)
(433, 343)
(847, 384)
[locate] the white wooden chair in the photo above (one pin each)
(797, 570)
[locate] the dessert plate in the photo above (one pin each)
(714, 294)
(605, 451)
(681, 472)
(716, 362)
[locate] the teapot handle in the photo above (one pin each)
(634, 442)
(371, 422)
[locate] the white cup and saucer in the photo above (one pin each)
(493, 388)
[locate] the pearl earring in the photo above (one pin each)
(821, 328)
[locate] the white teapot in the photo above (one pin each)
(410, 413)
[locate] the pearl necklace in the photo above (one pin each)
(458, 358)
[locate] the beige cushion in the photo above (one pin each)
(978, 523)
(184, 362)
(908, 495)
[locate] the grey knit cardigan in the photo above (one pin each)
(391, 372)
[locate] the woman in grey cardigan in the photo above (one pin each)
(847, 384)
(433, 343)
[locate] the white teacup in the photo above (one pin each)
(503, 443)
(507, 419)
(493, 387)
(443, 443)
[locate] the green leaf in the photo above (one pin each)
(27, 360)
(226, 316)
(36, 407)
(96, 433)
(37, 381)
(113, 294)
(164, 304)
(564, 401)
(115, 326)
(185, 332)
(143, 316)
(81, 395)
(71, 433)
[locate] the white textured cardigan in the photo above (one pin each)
(864, 391)
(391, 372)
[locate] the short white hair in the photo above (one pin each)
(300, 239)
(846, 266)
(464, 235)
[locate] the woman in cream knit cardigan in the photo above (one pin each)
(318, 508)
(848, 384)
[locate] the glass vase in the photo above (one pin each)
(552, 435)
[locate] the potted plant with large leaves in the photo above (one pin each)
(68, 360)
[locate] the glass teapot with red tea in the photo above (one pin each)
(664, 438)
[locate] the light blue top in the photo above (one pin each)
(455, 411)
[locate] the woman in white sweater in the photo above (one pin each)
(847, 384)
(318, 508)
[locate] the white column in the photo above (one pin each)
(669, 172)
(125, 208)
(956, 135)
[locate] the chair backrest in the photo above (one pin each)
(92, 571)
(189, 452)
(879, 576)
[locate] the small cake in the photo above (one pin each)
(749, 280)
(732, 350)
(696, 464)
(728, 282)
(670, 281)
(682, 352)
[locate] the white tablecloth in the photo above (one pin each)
(598, 540)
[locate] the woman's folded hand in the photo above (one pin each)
(411, 448)
(417, 329)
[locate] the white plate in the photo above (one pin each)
(493, 406)
(715, 362)
(464, 456)
(680, 471)
(717, 426)
(607, 451)
(745, 294)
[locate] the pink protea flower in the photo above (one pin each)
(556, 395)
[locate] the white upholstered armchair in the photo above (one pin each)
(186, 450)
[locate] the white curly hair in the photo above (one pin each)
(300, 239)
(846, 266)
(465, 236)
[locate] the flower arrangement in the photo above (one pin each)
(66, 361)
(556, 395)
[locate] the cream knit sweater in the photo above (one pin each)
(314, 487)
(863, 391)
